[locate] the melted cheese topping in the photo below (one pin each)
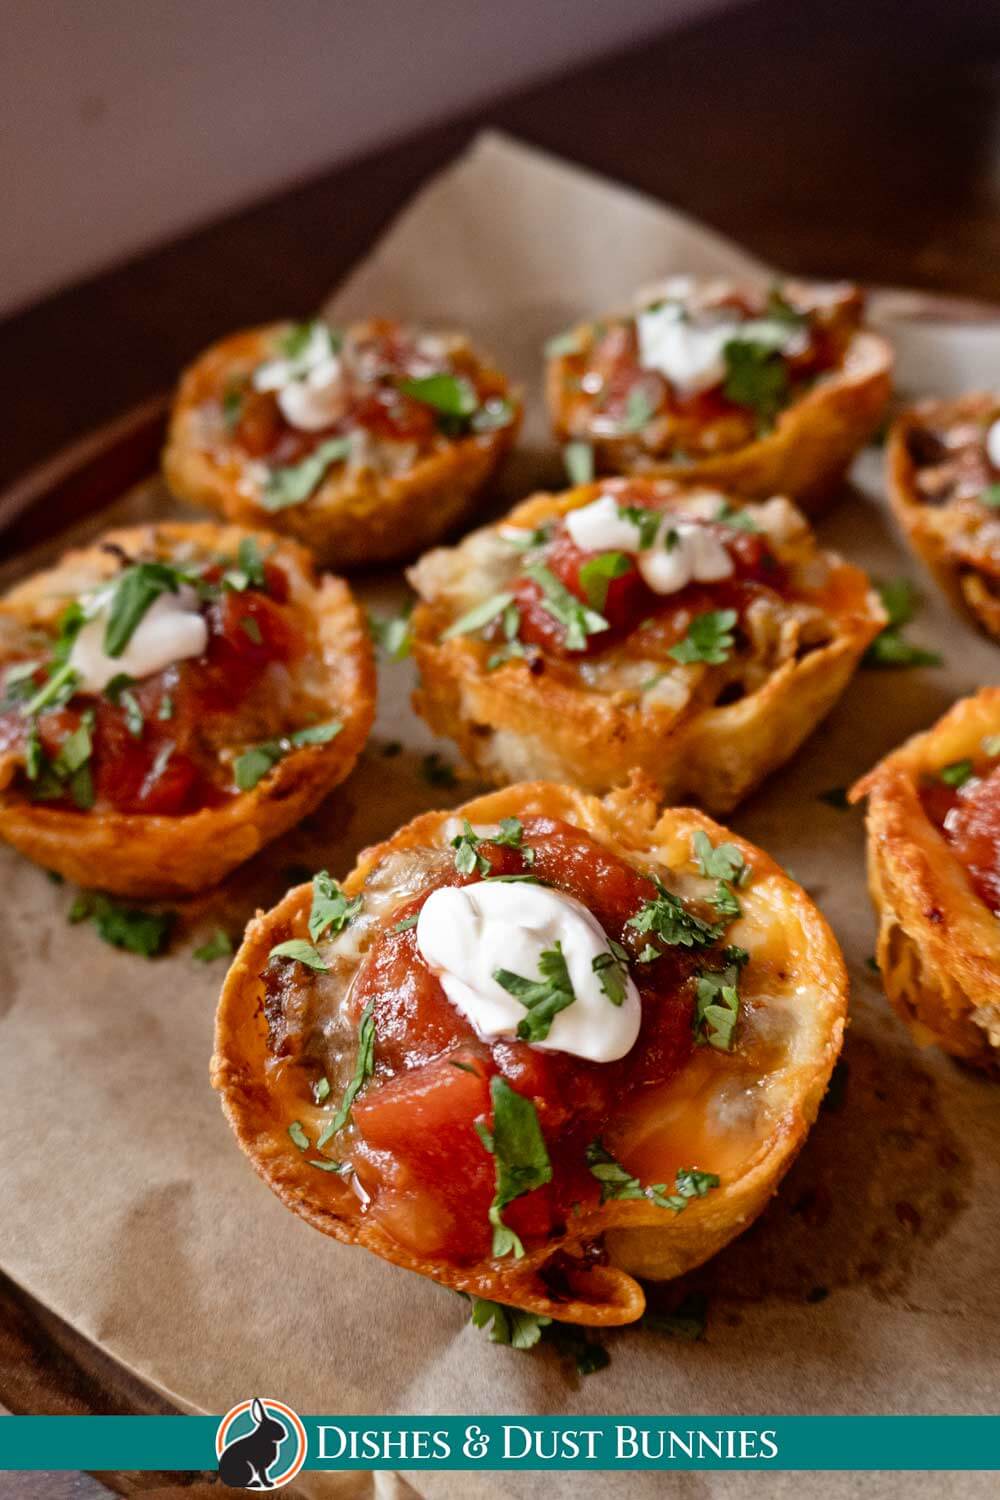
(681, 552)
(171, 630)
(465, 934)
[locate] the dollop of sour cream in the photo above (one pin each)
(466, 933)
(309, 385)
(681, 551)
(993, 444)
(171, 630)
(690, 349)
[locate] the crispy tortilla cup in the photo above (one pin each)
(956, 536)
(938, 941)
(386, 502)
(804, 455)
(142, 855)
(795, 992)
(705, 733)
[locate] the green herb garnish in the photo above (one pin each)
(611, 969)
(219, 945)
(717, 1007)
(522, 1161)
(597, 574)
(890, 648)
(543, 998)
(709, 638)
(566, 609)
(476, 618)
(957, 774)
(508, 1325)
(298, 1135)
(666, 918)
(364, 1066)
(617, 1183)
(299, 951)
(143, 932)
(252, 764)
(578, 461)
(296, 482)
(393, 636)
(331, 910)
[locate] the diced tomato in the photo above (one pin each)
(969, 818)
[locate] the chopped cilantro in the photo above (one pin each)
(133, 591)
(611, 969)
(597, 574)
(166, 708)
(331, 910)
(321, 1089)
(730, 515)
(991, 496)
(481, 615)
(717, 1007)
(709, 638)
(719, 862)
(578, 460)
(566, 609)
(508, 1325)
(957, 774)
(364, 1066)
(757, 377)
(451, 396)
(143, 932)
(522, 1161)
(251, 629)
(512, 646)
(638, 410)
(298, 1135)
(617, 1183)
(219, 945)
(543, 998)
(252, 764)
(294, 484)
(567, 342)
(393, 636)
(890, 648)
(406, 923)
(299, 951)
(645, 520)
(666, 917)
(468, 857)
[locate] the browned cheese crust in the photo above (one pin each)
(357, 515)
(142, 855)
(806, 453)
(958, 540)
(514, 723)
(938, 943)
(800, 973)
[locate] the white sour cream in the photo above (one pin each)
(993, 444)
(690, 349)
(309, 385)
(171, 630)
(466, 933)
(681, 552)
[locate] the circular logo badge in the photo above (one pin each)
(261, 1445)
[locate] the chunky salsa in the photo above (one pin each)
(777, 346)
(416, 1148)
(963, 802)
(153, 745)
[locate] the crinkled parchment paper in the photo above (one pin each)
(869, 1285)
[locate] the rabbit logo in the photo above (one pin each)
(261, 1445)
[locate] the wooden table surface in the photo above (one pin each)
(854, 138)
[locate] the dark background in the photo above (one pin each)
(854, 138)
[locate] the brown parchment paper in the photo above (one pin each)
(871, 1283)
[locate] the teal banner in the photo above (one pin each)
(287, 1443)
